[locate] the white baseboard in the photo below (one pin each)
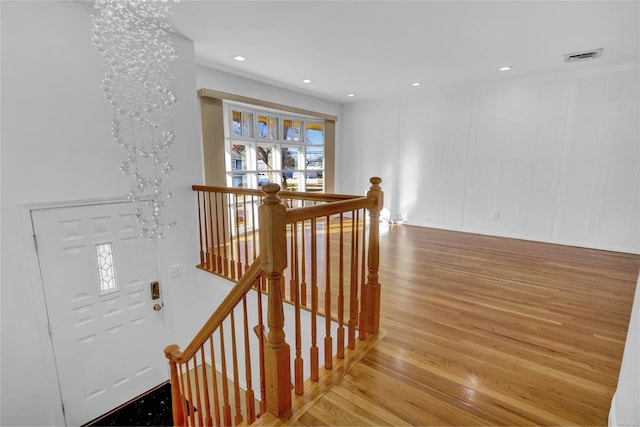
(532, 239)
(612, 412)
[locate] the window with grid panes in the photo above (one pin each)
(270, 146)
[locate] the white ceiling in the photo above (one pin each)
(378, 48)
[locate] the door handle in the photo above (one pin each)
(157, 307)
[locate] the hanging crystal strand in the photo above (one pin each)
(132, 36)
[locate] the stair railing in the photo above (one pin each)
(193, 385)
(228, 224)
(314, 242)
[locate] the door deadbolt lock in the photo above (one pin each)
(155, 290)
(157, 307)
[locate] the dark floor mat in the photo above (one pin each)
(151, 409)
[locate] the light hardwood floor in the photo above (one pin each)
(480, 330)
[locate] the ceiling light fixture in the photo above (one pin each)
(416, 84)
(306, 81)
(351, 95)
(239, 58)
(506, 68)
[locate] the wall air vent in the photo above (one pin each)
(583, 56)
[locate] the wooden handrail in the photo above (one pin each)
(317, 211)
(246, 282)
(227, 190)
(297, 195)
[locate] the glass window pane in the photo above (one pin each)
(236, 123)
(106, 267)
(290, 157)
(315, 181)
(291, 180)
(296, 130)
(262, 127)
(239, 180)
(286, 130)
(291, 129)
(265, 177)
(315, 157)
(314, 133)
(238, 157)
(272, 128)
(267, 127)
(264, 155)
(247, 125)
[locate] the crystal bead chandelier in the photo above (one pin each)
(133, 37)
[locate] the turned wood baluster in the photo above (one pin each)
(201, 229)
(292, 249)
(207, 405)
(211, 266)
(226, 407)
(190, 395)
(236, 382)
(249, 394)
(219, 213)
(232, 256)
(303, 284)
(261, 349)
(214, 377)
(298, 364)
(183, 401)
(225, 259)
(254, 227)
(353, 281)
(372, 287)
(246, 234)
(328, 339)
(172, 352)
(362, 330)
(314, 301)
(273, 250)
(198, 402)
(239, 255)
(340, 349)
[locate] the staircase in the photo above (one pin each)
(305, 264)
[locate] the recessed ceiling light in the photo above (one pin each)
(506, 68)
(416, 84)
(239, 58)
(306, 81)
(351, 95)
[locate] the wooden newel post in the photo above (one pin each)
(273, 250)
(372, 287)
(172, 352)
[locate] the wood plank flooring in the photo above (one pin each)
(480, 330)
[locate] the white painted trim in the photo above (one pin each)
(72, 203)
(31, 259)
(613, 422)
(531, 239)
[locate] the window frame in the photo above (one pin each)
(214, 120)
(256, 173)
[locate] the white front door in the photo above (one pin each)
(108, 340)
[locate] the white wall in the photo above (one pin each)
(625, 409)
(555, 156)
(57, 146)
